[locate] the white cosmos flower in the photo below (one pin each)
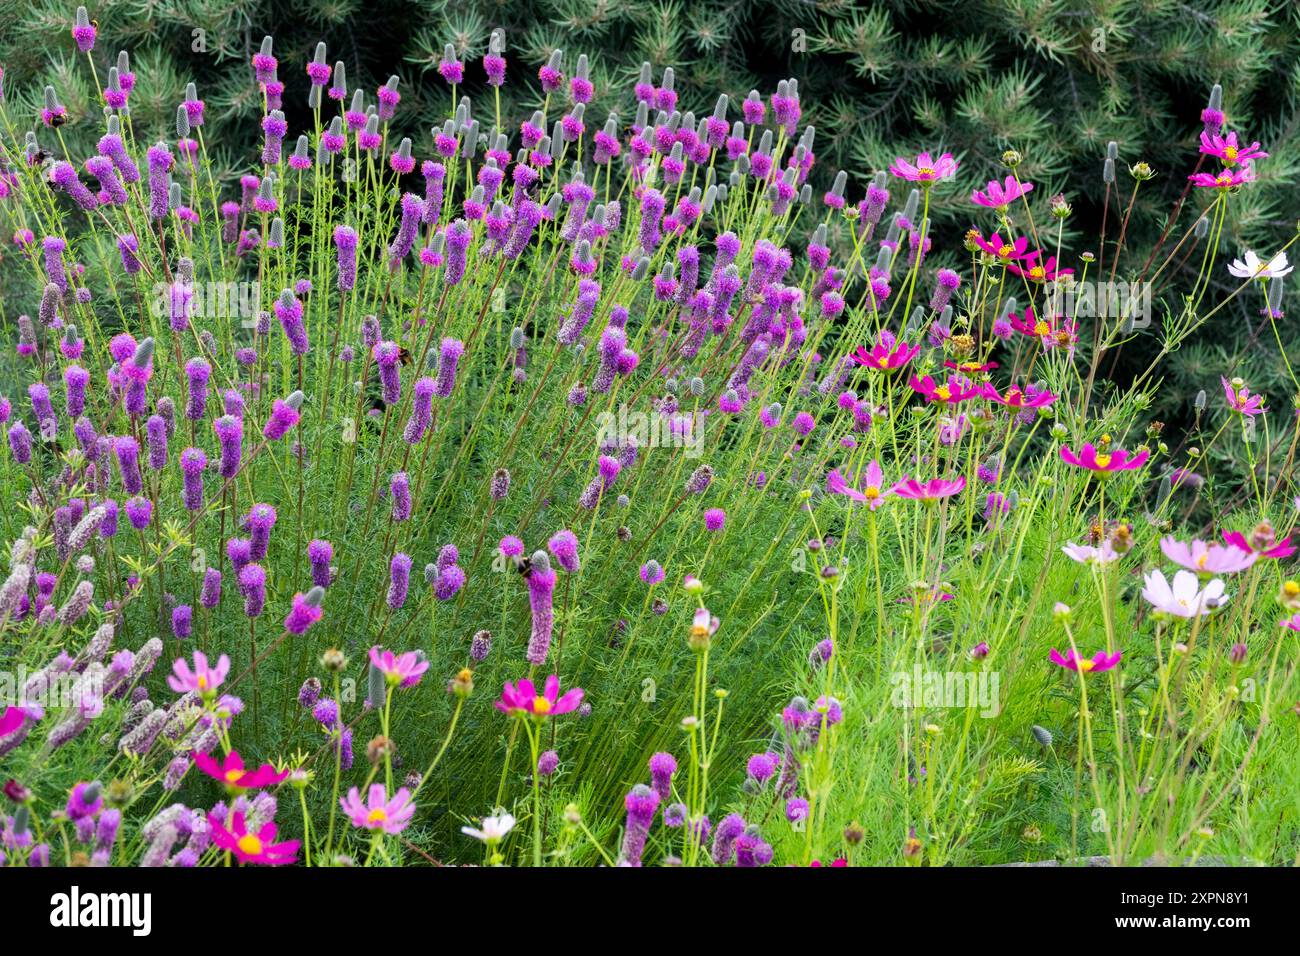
(1183, 598)
(1087, 554)
(1254, 268)
(494, 828)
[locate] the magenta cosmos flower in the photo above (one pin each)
(378, 812)
(1240, 400)
(1094, 460)
(935, 489)
(524, 699)
(1182, 598)
(203, 679)
(1000, 195)
(926, 169)
(871, 481)
(1206, 558)
(405, 669)
(1101, 661)
(957, 388)
(1030, 396)
(1039, 271)
(1005, 249)
(235, 775)
(1228, 150)
(249, 847)
(885, 354)
(11, 720)
(1228, 179)
(1282, 549)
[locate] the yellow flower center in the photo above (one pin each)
(926, 172)
(1041, 327)
(871, 492)
(377, 815)
(233, 775)
(1013, 396)
(883, 361)
(943, 393)
(1203, 560)
(1005, 250)
(1037, 272)
(541, 705)
(1291, 589)
(250, 844)
(1103, 461)
(1229, 155)
(1085, 665)
(202, 682)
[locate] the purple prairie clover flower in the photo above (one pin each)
(259, 521)
(304, 611)
(85, 800)
(761, 767)
(947, 284)
(284, 416)
(83, 31)
(434, 176)
(547, 763)
(388, 98)
(252, 585)
(210, 591)
(641, 804)
(64, 176)
(20, 443)
(264, 200)
(387, 355)
(511, 546)
(550, 74)
(652, 210)
(160, 164)
(274, 128)
(345, 241)
(421, 411)
(112, 190)
(449, 68)
(229, 224)
(662, 767)
(480, 646)
(193, 462)
(399, 578)
(494, 64)
(401, 161)
(564, 547)
(240, 552)
(412, 208)
(138, 512)
(197, 373)
(230, 435)
(156, 439)
(319, 555)
(264, 63)
(499, 486)
(40, 398)
(182, 621)
(652, 573)
(796, 809)
(127, 451)
(458, 240)
(714, 519)
(728, 830)
(541, 589)
(128, 248)
(448, 582)
(448, 356)
(399, 490)
(290, 311)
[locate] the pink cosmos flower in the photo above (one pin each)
(1240, 400)
(11, 720)
(884, 355)
(1206, 558)
(1039, 271)
(524, 699)
(1283, 548)
(233, 774)
(926, 169)
(378, 812)
(1094, 460)
(203, 679)
(1087, 554)
(259, 847)
(933, 490)
(871, 482)
(1182, 598)
(1229, 151)
(1001, 195)
(1003, 248)
(404, 669)
(1227, 179)
(1031, 396)
(958, 388)
(1292, 623)
(1101, 661)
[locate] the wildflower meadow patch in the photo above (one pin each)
(561, 490)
